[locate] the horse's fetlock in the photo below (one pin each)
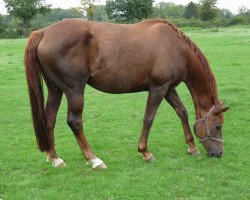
(142, 148)
(189, 140)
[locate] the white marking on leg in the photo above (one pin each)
(194, 151)
(96, 162)
(57, 162)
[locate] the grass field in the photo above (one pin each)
(113, 125)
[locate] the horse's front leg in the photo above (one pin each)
(155, 97)
(174, 100)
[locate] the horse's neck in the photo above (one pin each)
(202, 87)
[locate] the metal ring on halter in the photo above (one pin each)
(209, 136)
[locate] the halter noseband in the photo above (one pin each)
(209, 136)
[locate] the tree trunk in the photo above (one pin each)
(24, 27)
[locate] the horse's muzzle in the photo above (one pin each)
(215, 154)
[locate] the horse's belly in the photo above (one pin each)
(118, 82)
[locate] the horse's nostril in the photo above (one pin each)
(220, 154)
(210, 154)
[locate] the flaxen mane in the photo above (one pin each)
(197, 52)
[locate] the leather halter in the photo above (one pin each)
(209, 136)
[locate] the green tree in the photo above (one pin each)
(159, 10)
(244, 13)
(168, 10)
(225, 13)
(56, 14)
(191, 11)
(242, 10)
(2, 25)
(208, 9)
(175, 11)
(100, 13)
(89, 7)
(129, 10)
(25, 11)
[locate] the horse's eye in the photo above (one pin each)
(218, 127)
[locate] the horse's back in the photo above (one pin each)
(131, 57)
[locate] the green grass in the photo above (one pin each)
(113, 123)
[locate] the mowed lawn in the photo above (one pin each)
(113, 124)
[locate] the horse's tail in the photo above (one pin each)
(35, 88)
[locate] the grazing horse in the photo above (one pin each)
(153, 56)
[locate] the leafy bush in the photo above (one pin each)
(236, 21)
(215, 23)
(10, 28)
(193, 23)
(12, 33)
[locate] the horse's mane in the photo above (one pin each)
(198, 53)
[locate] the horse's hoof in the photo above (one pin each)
(195, 151)
(150, 159)
(58, 165)
(56, 162)
(100, 167)
(97, 164)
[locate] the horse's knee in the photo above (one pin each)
(75, 123)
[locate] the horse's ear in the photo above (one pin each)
(221, 107)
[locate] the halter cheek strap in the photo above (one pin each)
(205, 119)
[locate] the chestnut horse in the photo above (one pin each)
(153, 56)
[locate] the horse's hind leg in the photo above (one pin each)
(74, 120)
(155, 97)
(51, 109)
(174, 100)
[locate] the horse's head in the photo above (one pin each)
(209, 130)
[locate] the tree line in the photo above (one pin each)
(25, 16)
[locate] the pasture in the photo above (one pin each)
(113, 124)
